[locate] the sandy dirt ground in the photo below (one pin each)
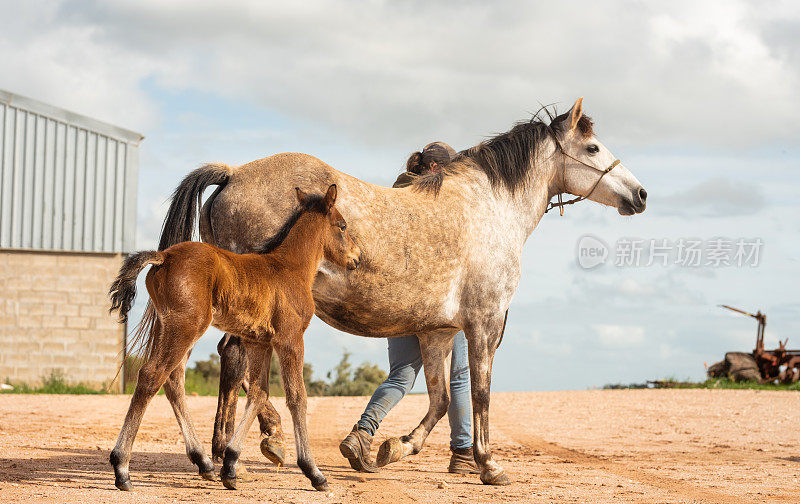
(653, 446)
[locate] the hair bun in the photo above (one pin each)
(414, 163)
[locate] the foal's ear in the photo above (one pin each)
(330, 196)
(575, 113)
(301, 196)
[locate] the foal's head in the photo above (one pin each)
(337, 244)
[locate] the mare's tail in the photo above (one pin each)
(179, 224)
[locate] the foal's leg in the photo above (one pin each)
(482, 341)
(169, 349)
(175, 390)
(256, 397)
(290, 354)
(434, 351)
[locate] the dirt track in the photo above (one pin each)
(592, 446)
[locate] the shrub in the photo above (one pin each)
(363, 381)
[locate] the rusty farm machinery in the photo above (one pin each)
(761, 365)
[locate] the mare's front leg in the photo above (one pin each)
(290, 355)
(482, 340)
(434, 349)
(256, 397)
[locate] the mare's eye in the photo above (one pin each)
(343, 226)
(593, 149)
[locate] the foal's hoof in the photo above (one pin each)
(229, 482)
(390, 451)
(496, 478)
(322, 487)
(125, 485)
(209, 475)
(272, 449)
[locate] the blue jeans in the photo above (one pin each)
(405, 361)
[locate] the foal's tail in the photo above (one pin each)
(122, 294)
(179, 224)
(123, 289)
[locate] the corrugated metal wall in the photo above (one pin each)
(67, 182)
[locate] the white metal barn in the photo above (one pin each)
(67, 217)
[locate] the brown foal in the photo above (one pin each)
(264, 298)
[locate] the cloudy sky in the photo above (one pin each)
(699, 99)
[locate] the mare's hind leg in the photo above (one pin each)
(273, 446)
(290, 354)
(175, 390)
(169, 348)
(256, 397)
(434, 351)
(233, 368)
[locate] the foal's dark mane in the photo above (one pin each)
(506, 158)
(314, 203)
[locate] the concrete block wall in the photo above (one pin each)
(54, 316)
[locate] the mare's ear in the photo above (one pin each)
(301, 196)
(330, 196)
(575, 113)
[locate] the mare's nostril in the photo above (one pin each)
(642, 194)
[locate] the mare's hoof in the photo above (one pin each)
(209, 475)
(125, 486)
(390, 451)
(322, 487)
(497, 478)
(242, 474)
(230, 483)
(272, 449)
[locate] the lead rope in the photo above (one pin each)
(561, 204)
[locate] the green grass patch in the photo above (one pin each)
(55, 383)
(711, 383)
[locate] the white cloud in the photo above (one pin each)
(711, 73)
(617, 336)
(547, 346)
(66, 65)
(717, 197)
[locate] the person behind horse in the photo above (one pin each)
(405, 361)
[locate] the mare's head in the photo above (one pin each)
(583, 159)
(337, 244)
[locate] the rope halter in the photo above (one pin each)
(561, 204)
